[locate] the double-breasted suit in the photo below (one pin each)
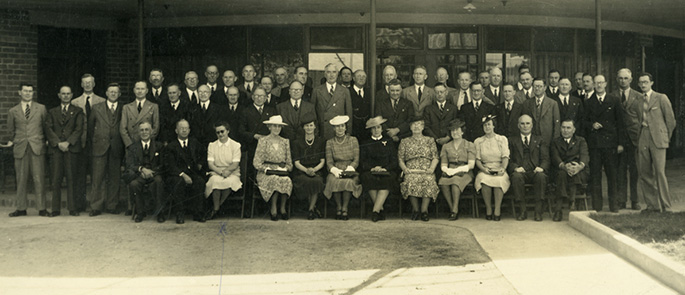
(427, 98)
(545, 117)
(108, 151)
(295, 118)
(138, 158)
(28, 138)
(474, 118)
(328, 106)
(64, 126)
(437, 120)
(529, 157)
(131, 119)
(396, 118)
(508, 120)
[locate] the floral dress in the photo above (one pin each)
(273, 152)
(417, 153)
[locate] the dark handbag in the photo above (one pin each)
(348, 174)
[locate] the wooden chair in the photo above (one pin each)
(469, 193)
(239, 196)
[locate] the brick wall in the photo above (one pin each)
(18, 60)
(122, 60)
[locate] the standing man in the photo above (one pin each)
(171, 110)
(64, 130)
(281, 76)
(526, 92)
(136, 112)
(212, 74)
(249, 84)
(108, 149)
(398, 111)
(570, 107)
(295, 112)
(484, 79)
(189, 92)
(474, 112)
(604, 127)
(570, 155)
(627, 163)
(86, 102)
(330, 100)
(389, 74)
(438, 116)
(221, 97)
(26, 123)
(251, 126)
(205, 115)
(443, 77)
(508, 113)
(232, 114)
(528, 164)
(157, 92)
(552, 90)
(271, 99)
(544, 111)
(144, 167)
(579, 90)
(300, 75)
(657, 121)
(419, 94)
(464, 94)
(588, 87)
(523, 68)
(361, 105)
(494, 90)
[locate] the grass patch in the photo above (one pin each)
(646, 227)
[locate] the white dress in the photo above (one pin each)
(223, 155)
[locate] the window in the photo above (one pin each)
(336, 38)
(453, 38)
(399, 38)
(318, 62)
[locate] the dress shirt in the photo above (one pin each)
(564, 99)
(212, 87)
(359, 91)
(112, 105)
(190, 94)
(24, 105)
(330, 87)
(156, 91)
(249, 86)
(295, 103)
(419, 88)
(183, 142)
(174, 105)
(525, 138)
(494, 90)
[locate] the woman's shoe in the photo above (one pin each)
(318, 213)
(284, 216)
(497, 217)
(453, 216)
(274, 217)
(424, 216)
(344, 216)
(381, 215)
(375, 217)
(311, 215)
(338, 215)
(211, 214)
(488, 217)
(415, 216)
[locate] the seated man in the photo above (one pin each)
(144, 167)
(185, 159)
(570, 154)
(528, 164)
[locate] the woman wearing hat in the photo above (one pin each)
(378, 166)
(272, 161)
(309, 158)
(418, 157)
(223, 159)
(457, 160)
(342, 156)
(492, 158)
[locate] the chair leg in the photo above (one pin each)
(242, 207)
(401, 206)
(549, 206)
(362, 203)
(513, 207)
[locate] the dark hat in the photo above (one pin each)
(415, 119)
(487, 118)
(456, 124)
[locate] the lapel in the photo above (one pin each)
(333, 99)
(292, 114)
(650, 105)
(520, 146)
(139, 150)
(545, 106)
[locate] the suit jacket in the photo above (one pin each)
(578, 93)
(186, 97)
(632, 112)
(549, 93)
(168, 117)
(131, 119)
(453, 96)
(65, 128)
(496, 99)
(520, 96)
(658, 115)
(473, 119)
(361, 111)
(573, 111)
(427, 98)
(436, 121)
(275, 100)
(398, 118)
(106, 128)
(328, 106)
(135, 159)
(80, 102)
(547, 124)
(232, 117)
(508, 122)
(610, 115)
(202, 123)
(539, 152)
(295, 119)
(192, 162)
(575, 151)
(241, 88)
(163, 95)
(251, 123)
(381, 94)
(30, 132)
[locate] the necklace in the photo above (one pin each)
(341, 142)
(308, 142)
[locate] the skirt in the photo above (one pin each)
(334, 185)
(420, 185)
(460, 181)
(268, 184)
(501, 181)
(376, 182)
(220, 183)
(305, 185)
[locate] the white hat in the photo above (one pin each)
(339, 120)
(275, 120)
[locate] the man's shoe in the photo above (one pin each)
(375, 217)
(127, 213)
(284, 216)
(522, 216)
(453, 216)
(161, 218)
(381, 215)
(538, 216)
(635, 206)
(311, 215)
(497, 217)
(621, 205)
(139, 217)
(94, 213)
(18, 213)
(72, 213)
(557, 216)
(44, 213)
(55, 213)
(180, 218)
(200, 219)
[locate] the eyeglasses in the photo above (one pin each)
(221, 132)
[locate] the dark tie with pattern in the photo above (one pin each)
(623, 96)
(248, 88)
(260, 110)
(296, 107)
(360, 93)
(330, 91)
(420, 93)
(496, 92)
(140, 107)
(477, 106)
(28, 111)
(525, 141)
(88, 105)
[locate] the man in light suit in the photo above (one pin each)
(627, 163)
(108, 150)
(330, 100)
(26, 123)
(657, 121)
(438, 116)
(86, 102)
(136, 112)
(389, 74)
(295, 112)
(494, 90)
(544, 111)
(419, 94)
(526, 91)
(64, 129)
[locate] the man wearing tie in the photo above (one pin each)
(508, 112)
(570, 155)
(271, 99)
(398, 111)
(657, 123)
(189, 92)
(494, 90)
(627, 163)
(419, 94)
(361, 105)
(330, 100)
(248, 86)
(295, 112)
(157, 92)
(389, 74)
(588, 87)
(544, 111)
(438, 116)
(463, 96)
(281, 76)
(171, 110)
(212, 74)
(144, 167)
(26, 123)
(234, 108)
(553, 84)
(570, 107)
(526, 92)
(579, 90)
(138, 111)
(64, 129)
(474, 112)
(205, 115)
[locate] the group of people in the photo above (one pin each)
(183, 145)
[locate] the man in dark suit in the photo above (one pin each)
(657, 121)
(144, 168)
(171, 110)
(64, 129)
(231, 114)
(442, 76)
(474, 112)
(251, 126)
(189, 91)
(398, 111)
(570, 155)
(438, 116)
(138, 111)
(330, 100)
(627, 164)
(108, 149)
(484, 79)
(579, 91)
(271, 99)
(295, 112)
(26, 123)
(204, 116)
(604, 127)
(588, 88)
(383, 93)
(212, 74)
(300, 75)
(552, 90)
(544, 111)
(185, 161)
(419, 94)
(249, 84)
(220, 96)
(523, 68)
(570, 107)
(526, 91)
(494, 90)
(529, 163)
(157, 92)
(361, 105)
(281, 77)
(508, 113)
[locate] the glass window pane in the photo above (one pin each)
(399, 38)
(276, 39)
(513, 61)
(266, 63)
(336, 38)
(318, 61)
(437, 41)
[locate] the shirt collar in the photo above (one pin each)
(142, 101)
(376, 138)
(329, 85)
(145, 142)
(356, 89)
(523, 137)
(181, 141)
(649, 93)
(294, 101)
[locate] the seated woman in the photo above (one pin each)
(272, 161)
(492, 158)
(378, 166)
(457, 159)
(309, 157)
(223, 159)
(342, 156)
(418, 157)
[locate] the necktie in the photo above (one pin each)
(248, 88)
(204, 107)
(111, 108)
(64, 110)
(296, 106)
(193, 98)
(623, 96)
(509, 106)
(601, 100)
(145, 148)
(538, 102)
(140, 107)
(174, 105)
(87, 105)
(477, 106)
(232, 108)
(646, 98)
(260, 110)
(525, 141)
(156, 93)
(28, 111)
(587, 96)
(466, 96)
(330, 91)
(185, 144)
(394, 105)
(496, 92)
(527, 94)
(360, 93)
(420, 93)
(213, 87)
(442, 107)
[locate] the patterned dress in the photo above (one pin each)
(309, 155)
(340, 155)
(417, 153)
(273, 152)
(223, 155)
(490, 152)
(454, 154)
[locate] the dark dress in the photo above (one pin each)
(309, 156)
(381, 153)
